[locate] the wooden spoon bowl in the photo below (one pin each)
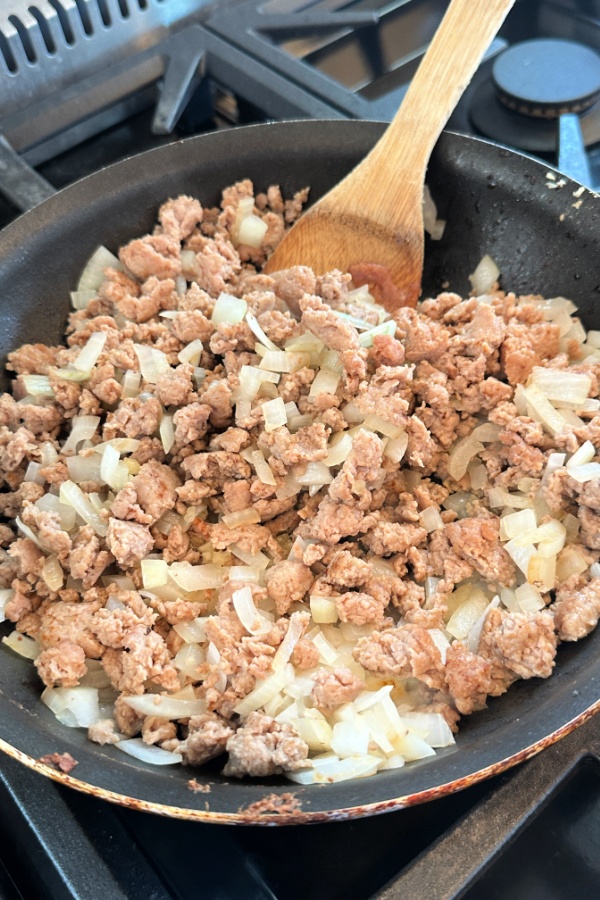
(371, 223)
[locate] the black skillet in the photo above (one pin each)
(545, 237)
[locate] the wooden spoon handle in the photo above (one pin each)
(465, 33)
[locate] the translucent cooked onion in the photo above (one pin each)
(251, 379)
(462, 619)
(38, 385)
(153, 362)
(570, 387)
(252, 231)
(93, 273)
(197, 578)
(284, 361)
(32, 473)
(165, 707)
(338, 449)
(29, 533)
(131, 384)
(518, 525)
(323, 609)
(72, 495)
(51, 503)
(588, 472)
(314, 473)
(461, 455)
(228, 310)
(83, 428)
(23, 645)
(326, 382)
(529, 598)
(6, 594)
(541, 410)
(81, 299)
(484, 277)
(155, 572)
(389, 429)
(85, 468)
(286, 648)
(191, 353)
(430, 519)
(191, 632)
(316, 733)
(274, 414)
(395, 448)
(167, 432)
(265, 690)
(148, 753)
(239, 518)
(87, 357)
(256, 560)
(188, 660)
(334, 769)
(53, 574)
(76, 707)
(250, 617)
(257, 331)
(263, 469)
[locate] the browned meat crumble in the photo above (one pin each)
(294, 529)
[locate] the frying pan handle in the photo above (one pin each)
(19, 182)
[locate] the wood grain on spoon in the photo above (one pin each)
(371, 223)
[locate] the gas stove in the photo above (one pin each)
(84, 83)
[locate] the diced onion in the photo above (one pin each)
(433, 726)
(155, 572)
(191, 632)
(284, 361)
(335, 769)
(167, 432)
(250, 617)
(265, 690)
(32, 473)
(81, 299)
(84, 468)
(396, 448)
(316, 733)
(585, 473)
(148, 753)
(87, 357)
(153, 362)
(389, 429)
(197, 578)
(191, 353)
(251, 379)
(263, 469)
(326, 382)
(52, 573)
(366, 338)
(51, 503)
(72, 495)
(252, 231)
(131, 384)
(540, 409)
(38, 385)
(229, 310)
(430, 519)
(314, 473)
(76, 707)
(350, 738)
(568, 387)
(338, 449)
(323, 609)
(516, 524)
(165, 707)
(484, 277)
(461, 455)
(23, 645)
(93, 273)
(462, 619)
(274, 414)
(188, 659)
(286, 648)
(258, 332)
(83, 428)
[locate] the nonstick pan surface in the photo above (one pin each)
(544, 235)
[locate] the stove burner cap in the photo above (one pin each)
(547, 78)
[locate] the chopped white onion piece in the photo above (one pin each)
(72, 495)
(252, 231)
(84, 468)
(461, 455)
(262, 467)
(561, 385)
(540, 409)
(113, 471)
(131, 384)
(247, 574)
(51, 503)
(167, 432)
(595, 570)
(585, 473)
(326, 652)
(251, 380)
(334, 769)
(462, 619)
(153, 362)
(350, 738)
(338, 449)
(165, 707)
(188, 659)
(274, 414)
(583, 455)
(265, 690)
(430, 519)
(76, 707)
(570, 562)
(256, 560)
(191, 353)
(529, 598)
(148, 753)
(433, 726)
(359, 324)
(517, 524)
(317, 733)
(38, 385)
(191, 631)
(326, 382)
(297, 422)
(23, 645)
(87, 357)
(32, 473)
(323, 609)
(93, 273)
(83, 428)
(197, 578)
(29, 533)
(155, 572)
(284, 361)
(52, 573)
(70, 373)
(555, 461)
(239, 518)
(396, 448)
(250, 617)
(484, 277)
(229, 310)
(286, 648)
(541, 570)
(314, 473)
(474, 634)
(81, 299)
(376, 423)
(259, 333)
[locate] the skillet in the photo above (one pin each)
(495, 201)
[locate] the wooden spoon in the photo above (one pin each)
(371, 223)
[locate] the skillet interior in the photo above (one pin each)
(495, 201)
